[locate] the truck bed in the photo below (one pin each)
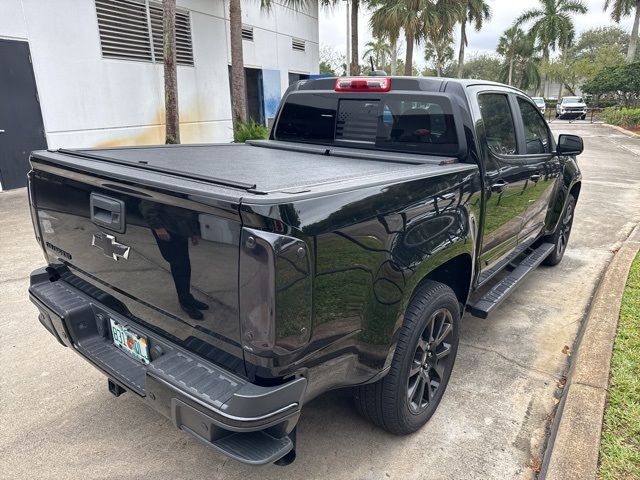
(258, 168)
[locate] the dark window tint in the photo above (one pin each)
(419, 125)
(536, 134)
(307, 118)
(423, 124)
(498, 123)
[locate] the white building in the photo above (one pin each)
(98, 72)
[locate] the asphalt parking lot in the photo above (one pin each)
(57, 419)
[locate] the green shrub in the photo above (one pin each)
(625, 117)
(250, 130)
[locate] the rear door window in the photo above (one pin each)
(497, 118)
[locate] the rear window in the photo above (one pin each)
(417, 124)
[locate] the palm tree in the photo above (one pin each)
(474, 12)
(392, 17)
(552, 23)
(354, 67)
(623, 8)
(520, 66)
(381, 27)
(379, 49)
(508, 48)
(238, 87)
(439, 31)
(418, 19)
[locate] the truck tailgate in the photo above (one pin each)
(148, 252)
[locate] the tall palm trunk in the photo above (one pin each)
(238, 87)
(394, 55)
(355, 66)
(523, 67)
(440, 61)
(562, 59)
(408, 62)
(545, 60)
(172, 118)
(510, 76)
(633, 41)
(463, 41)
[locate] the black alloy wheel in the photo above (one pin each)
(431, 360)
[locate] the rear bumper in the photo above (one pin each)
(250, 423)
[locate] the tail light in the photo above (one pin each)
(275, 292)
(363, 84)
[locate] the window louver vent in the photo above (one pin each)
(124, 30)
(128, 33)
(247, 33)
(184, 48)
(298, 44)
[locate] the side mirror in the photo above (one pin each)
(569, 145)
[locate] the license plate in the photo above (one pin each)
(131, 343)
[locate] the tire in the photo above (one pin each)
(583, 117)
(561, 236)
(557, 115)
(402, 402)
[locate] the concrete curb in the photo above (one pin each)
(574, 443)
(628, 133)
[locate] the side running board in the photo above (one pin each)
(508, 284)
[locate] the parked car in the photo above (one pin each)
(226, 285)
(571, 107)
(539, 101)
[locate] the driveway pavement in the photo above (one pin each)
(57, 419)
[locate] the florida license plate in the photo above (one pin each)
(132, 343)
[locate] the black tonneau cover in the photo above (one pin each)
(269, 169)
(260, 167)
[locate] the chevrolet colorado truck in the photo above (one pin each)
(226, 285)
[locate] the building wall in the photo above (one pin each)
(88, 100)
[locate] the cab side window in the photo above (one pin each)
(536, 134)
(498, 123)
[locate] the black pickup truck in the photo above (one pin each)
(226, 285)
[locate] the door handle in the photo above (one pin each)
(535, 177)
(499, 186)
(1, 131)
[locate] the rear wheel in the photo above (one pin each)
(561, 236)
(405, 399)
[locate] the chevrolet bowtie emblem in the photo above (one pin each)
(110, 247)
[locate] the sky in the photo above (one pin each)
(504, 12)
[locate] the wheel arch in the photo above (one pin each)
(575, 190)
(456, 273)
